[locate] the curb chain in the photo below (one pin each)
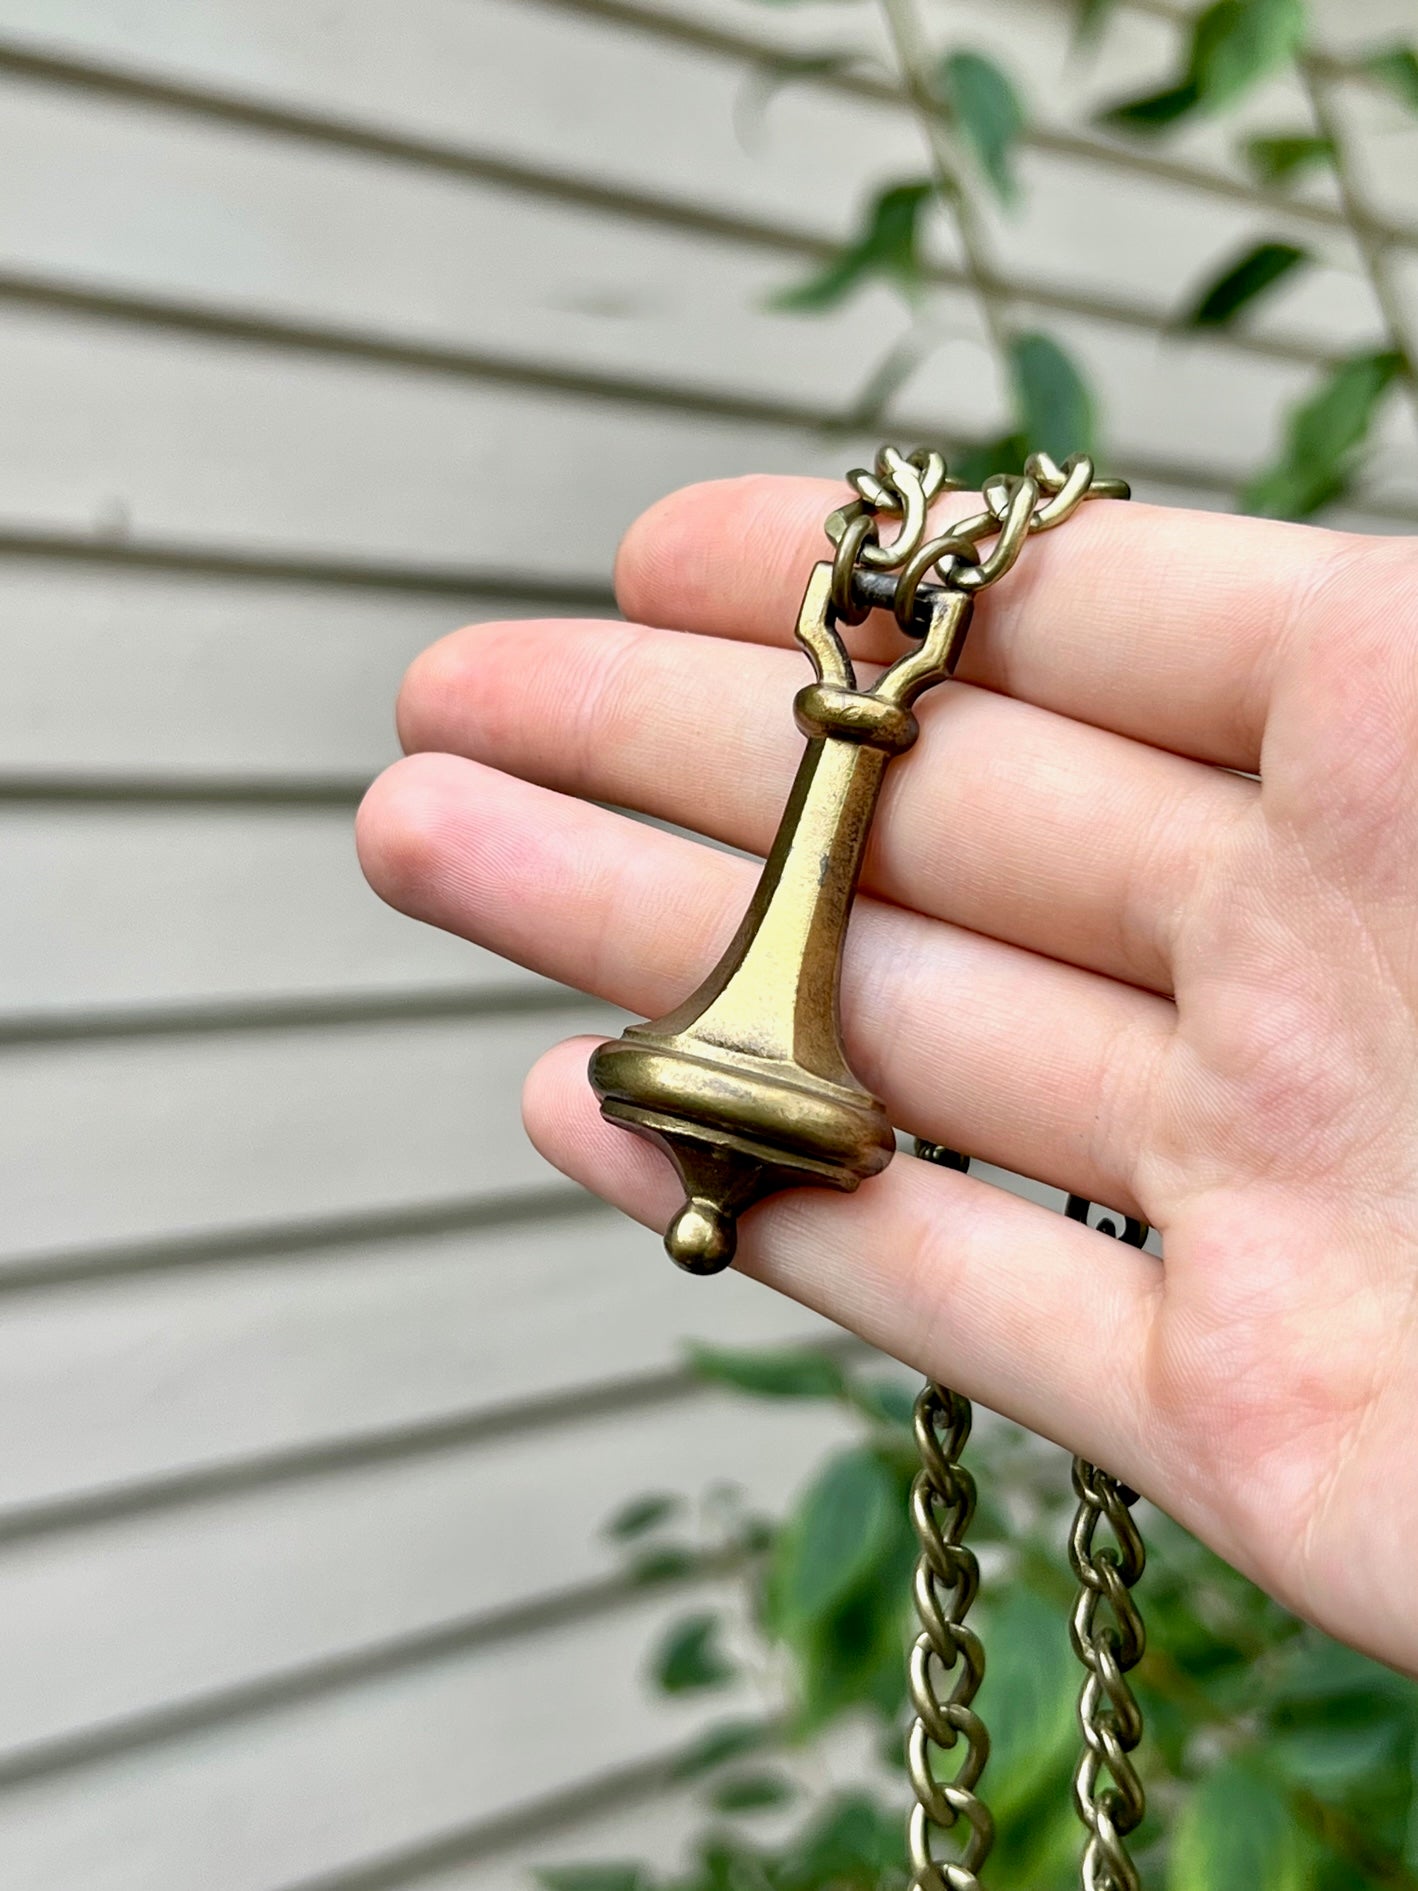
(1106, 1631)
(947, 1579)
(903, 486)
(1109, 1639)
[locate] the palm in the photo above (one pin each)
(1089, 950)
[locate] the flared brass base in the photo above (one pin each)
(737, 1128)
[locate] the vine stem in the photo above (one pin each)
(913, 59)
(1372, 246)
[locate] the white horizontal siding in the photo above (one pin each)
(173, 1371)
(174, 888)
(334, 1782)
(123, 1141)
(325, 458)
(201, 1597)
(409, 251)
(200, 676)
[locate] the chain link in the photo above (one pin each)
(1106, 1630)
(1109, 1639)
(903, 487)
(947, 1579)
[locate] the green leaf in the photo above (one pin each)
(1322, 439)
(847, 1517)
(643, 1514)
(592, 1877)
(1235, 43)
(1241, 282)
(728, 1740)
(975, 464)
(668, 1562)
(689, 1656)
(836, 1589)
(752, 1792)
(1397, 69)
(1051, 398)
(1345, 1728)
(1235, 1833)
(888, 247)
(726, 1862)
(1331, 1759)
(1027, 1700)
(1281, 159)
(1323, 1675)
(1154, 111)
(982, 101)
(852, 1842)
(796, 1373)
(889, 1401)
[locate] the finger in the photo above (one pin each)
(1005, 818)
(1163, 625)
(1033, 1315)
(1045, 1069)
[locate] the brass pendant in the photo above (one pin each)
(746, 1085)
(747, 1088)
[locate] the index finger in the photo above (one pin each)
(1164, 625)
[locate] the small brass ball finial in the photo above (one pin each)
(702, 1238)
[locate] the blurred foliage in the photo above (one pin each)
(1275, 1759)
(1324, 436)
(975, 122)
(1239, 283)
(980, 97)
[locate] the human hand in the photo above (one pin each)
(1087, 950)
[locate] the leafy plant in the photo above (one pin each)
(1234, 45)
(1277, 1759)
(974, 122)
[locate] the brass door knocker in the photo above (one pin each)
(747, 1089)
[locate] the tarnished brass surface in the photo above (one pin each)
(745, 1085)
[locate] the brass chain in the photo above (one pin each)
(904, 485)
(1109, 1639)
(1110, 1807)
(1107, 1792)
(947, 1579)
